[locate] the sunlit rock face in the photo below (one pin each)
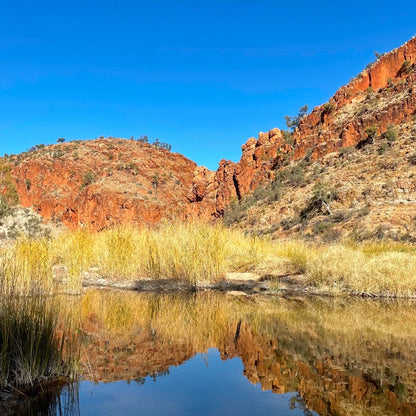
(381, 95)
(96, 184)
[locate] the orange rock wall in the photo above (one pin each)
(326, 129)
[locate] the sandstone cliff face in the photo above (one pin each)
(375, 188)
(381, 95)
(95, 184)
(233, 180)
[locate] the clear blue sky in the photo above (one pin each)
(201, 75)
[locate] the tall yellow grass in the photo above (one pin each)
(186, 251)
(387, 273)
(381, 268)
(26, 267)
(197, 251)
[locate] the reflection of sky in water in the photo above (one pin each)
(204, 385)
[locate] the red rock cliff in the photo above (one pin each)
(381, 95)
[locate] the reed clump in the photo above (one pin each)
(383, 268)
(371, 269)
(191, 251)
(36, 341)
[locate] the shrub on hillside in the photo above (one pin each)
(390, 134)
(88, 179)
(322, 196)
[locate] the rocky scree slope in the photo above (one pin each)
(367, 193)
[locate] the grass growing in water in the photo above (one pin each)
(36, 340)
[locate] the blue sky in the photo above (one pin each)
(203, 76)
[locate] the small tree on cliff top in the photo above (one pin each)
(293, 122)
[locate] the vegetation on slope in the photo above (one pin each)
(8, 192)
(359, 194)
(102, 182)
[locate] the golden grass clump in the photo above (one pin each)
(386, 273)
(26, 267)
(372, 247)
(75, 251)
(36, 338)
(117, 252)
(296, 253)
(191, 251)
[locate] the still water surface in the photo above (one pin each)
(203, 385)
(216, 354)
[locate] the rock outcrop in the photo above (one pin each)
(95, 184)
(233, 180)
(381, 95)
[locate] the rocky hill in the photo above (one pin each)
(98, 183)
(351, 161)
(364, 193)
(348, 167)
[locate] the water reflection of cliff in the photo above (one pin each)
(343, 357)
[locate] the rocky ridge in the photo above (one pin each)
(96, 184)
(383, 94)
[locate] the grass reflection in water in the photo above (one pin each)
(337, 356)
(342, 356)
